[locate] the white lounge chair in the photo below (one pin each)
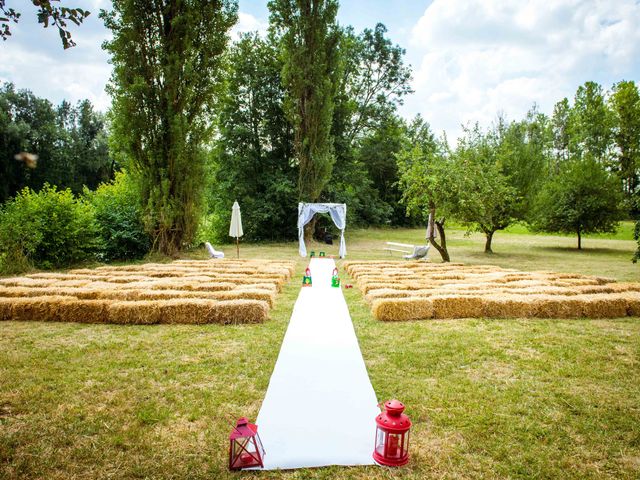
(418, 253)
(213, 253)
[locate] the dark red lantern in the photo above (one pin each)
(245, 446)
(392, 435)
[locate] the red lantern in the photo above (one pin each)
(392, 435)
(245, 446)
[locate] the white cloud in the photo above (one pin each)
(248, 23)
(481, 57)
(33, 58)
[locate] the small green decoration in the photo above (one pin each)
(322, 254)
(306, 279)
(335, 279)
(313, 254)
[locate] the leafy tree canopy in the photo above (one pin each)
(582, 198)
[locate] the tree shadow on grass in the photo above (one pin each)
(584, 251)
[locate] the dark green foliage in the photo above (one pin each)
(118, 212)
(427, 181)
(625, 104)
(71, 143)
(167, 59)
(498, 172)
(483, 197)
(591, 123)
(582, 198)
(636, 236)
(254, 162)
(309, 39)
(367, 132)
(47, 229)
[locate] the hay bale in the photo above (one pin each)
(5, 309)
(633, 304)
(398, 309)
(186, 310)
(256, 286)
(248, 294)
(455, 306)
(506, 306)
(557, 306)
(387, 293)
(238, 311)
(82, 311)
(36, 309)
(135, 312)
(604, 306)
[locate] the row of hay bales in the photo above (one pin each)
(418, 290)
(221, 291)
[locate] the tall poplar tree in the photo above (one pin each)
(167, 62)
(625, 103)
(309, 39)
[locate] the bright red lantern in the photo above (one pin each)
(392, 435)
(245, 446)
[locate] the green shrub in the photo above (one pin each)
(47, 229)
(119, 216)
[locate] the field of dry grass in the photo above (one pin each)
(494, 399)
(185, 291)
(400, 290)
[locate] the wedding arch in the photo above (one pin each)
(338, 212)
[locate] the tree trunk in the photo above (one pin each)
(309, 228)
(579, 239)
(442, 247)
(487, 245)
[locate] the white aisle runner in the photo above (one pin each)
(320, 407)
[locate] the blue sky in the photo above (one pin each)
(472, 59)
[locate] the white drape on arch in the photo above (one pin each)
(338, 212)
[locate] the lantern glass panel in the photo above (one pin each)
(405, 446)
(259, 446)
(380, 437)
(244, 449)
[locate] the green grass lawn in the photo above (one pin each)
(489, 398)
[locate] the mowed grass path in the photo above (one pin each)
(489, 398)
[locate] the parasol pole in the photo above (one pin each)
(238, 246)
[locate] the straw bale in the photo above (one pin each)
(387, 293)
(69, 309)
(506, 306)
(238, 311)
(256, 286)
(633, 304)
(5, 308)
(557, 306)
(398, 309)
(366, 288)
(604, 306)
(186, 310)
(454, 306)
(39, 309)
(18, 291)
(135, 312)
(24, 282)
(263, 295)
(575, 282)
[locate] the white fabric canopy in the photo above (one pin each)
(338, 212)
(320, 406)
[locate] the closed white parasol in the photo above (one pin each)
(235, 229)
